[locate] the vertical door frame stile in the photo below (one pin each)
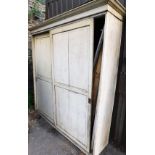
(51, 82)
(68, 66)
(91, 50)
(52, 67)
(52, 77)
(34, 73)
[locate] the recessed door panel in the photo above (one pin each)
(43, 57)
(72, 114)
(79, 44)
(62, 108)
(60, 57)
(44, 98)
(78, 114)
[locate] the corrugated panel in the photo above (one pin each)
(76, 3)
(59, 6)
(84, 1)
(55, 7)
(70, 4)
(123, 2)
(64, 5)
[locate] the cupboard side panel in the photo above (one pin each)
(109, 67)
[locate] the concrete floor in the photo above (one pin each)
(45, 140)
(110, 150)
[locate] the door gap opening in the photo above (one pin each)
(98, 48)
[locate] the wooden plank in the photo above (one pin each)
(96, 80)
(98, 50)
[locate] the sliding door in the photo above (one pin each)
(72, 53)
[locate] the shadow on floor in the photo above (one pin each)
(111, 150)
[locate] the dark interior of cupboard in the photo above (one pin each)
(98, 28)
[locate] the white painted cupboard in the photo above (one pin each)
(63, 53)
(63, 62)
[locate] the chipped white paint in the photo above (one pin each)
(72, 52)
(109, 67)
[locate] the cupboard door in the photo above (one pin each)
(43, 76)
(72, 50)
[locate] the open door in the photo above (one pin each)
(72, 53)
